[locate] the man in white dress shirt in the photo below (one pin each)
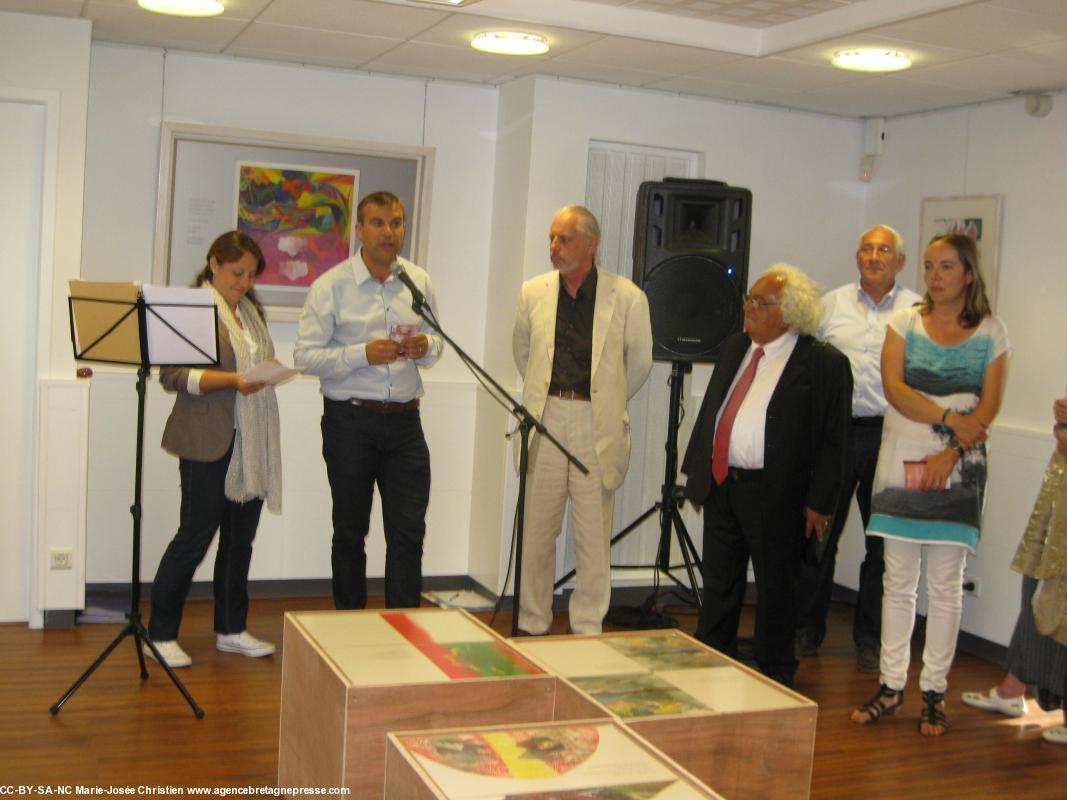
(854, 321)
(765, 461)
(359, 335)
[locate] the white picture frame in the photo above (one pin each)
(977, 216)
(197, 193)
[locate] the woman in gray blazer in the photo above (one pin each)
(225, 433)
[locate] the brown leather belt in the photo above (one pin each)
(385, 407)
(568, 394)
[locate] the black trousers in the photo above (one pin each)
(740, 523)
(816, 581)
(204, 510)
(364, 448)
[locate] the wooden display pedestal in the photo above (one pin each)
(739, 732)
(591, 758)
(350, 677)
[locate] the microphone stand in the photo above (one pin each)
(526, 422)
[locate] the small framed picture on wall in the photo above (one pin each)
(976, 216)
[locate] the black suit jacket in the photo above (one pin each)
(806, 427)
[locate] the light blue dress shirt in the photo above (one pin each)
(345, 309)
(854, 324)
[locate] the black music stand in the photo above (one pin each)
(526, 424)
(122, 327)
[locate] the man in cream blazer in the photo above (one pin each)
(583, 343)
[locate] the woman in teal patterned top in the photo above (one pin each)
(944, 364)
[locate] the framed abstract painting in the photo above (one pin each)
(296, 195)
(302, 219)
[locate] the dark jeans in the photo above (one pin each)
(816, 581)
(738, 525)
(363, 448)
(204, 510)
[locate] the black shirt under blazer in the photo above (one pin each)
(806, 428)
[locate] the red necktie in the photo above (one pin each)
(720, 453)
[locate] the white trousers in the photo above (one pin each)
(944, 595)
(551, 480)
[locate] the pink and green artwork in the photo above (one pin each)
(301, 218)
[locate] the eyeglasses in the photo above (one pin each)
(882, 249)
(758, 302)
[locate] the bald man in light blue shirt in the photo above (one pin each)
(854, 321)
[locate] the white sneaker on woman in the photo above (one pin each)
(1008, 706)
(173, 656)
(244, 643)
(1056, 734)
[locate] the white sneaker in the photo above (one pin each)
(244, 643)
(173, 656)
(1057, 734)
(1008, 706)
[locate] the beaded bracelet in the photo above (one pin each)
(943, 425)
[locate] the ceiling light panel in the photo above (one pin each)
(183, 8)
(453, 3)
(871, 59)
(510, 43)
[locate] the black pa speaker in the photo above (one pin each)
(691, 242)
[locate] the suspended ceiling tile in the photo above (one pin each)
(442, 61)
(622, 76)
(996, 73)
(978, 27)
(133, 25)
(294, 44)
(886, 95)
(624, 52)
(1050, 8)
(353, 16)
(776, 73)
(56, 8)
(1052, 53)
(723, 90)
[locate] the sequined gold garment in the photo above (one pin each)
(1042, 552)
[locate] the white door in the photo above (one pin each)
(614, 174)
(22, 132)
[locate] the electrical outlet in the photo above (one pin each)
(971, 586)
(61, 558)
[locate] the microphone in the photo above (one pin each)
(418, 299)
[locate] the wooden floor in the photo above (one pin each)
(119, 731)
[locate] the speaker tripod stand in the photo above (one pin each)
(669, 506)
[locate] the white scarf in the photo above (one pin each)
(256, 464)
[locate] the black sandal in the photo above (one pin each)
(933, 713)
(876, 708)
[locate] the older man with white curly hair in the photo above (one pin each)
(765, 461)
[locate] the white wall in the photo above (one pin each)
(21, 162)
(506, 158)
(130, 88)
(807, 207)
(44, 64)
(487, 234)
(801, 168)
(993, 149)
